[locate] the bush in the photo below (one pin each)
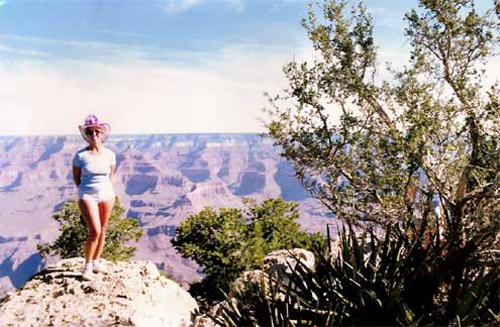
(227, 242)
(71, 241)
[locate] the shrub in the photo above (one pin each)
(228, 241)
(73, 233)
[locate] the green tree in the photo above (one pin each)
(229, 241)
(379, 152)
(364, 146)
(73, 234)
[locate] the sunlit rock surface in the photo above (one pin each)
(128, 294)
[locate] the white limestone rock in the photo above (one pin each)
(282, 261)
(128, 294)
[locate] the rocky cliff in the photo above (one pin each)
(128, 294)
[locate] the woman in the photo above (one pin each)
(92, 171)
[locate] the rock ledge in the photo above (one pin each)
(128, 294)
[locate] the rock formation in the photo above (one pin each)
(159, 179)
(128, 294)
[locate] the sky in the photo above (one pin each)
(157, 66)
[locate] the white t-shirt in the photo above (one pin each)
(95, 169)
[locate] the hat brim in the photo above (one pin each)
(104, 127)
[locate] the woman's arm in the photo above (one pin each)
(77, 173)
(111, 171)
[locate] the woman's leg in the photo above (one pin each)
(90, 213)
(105, 209)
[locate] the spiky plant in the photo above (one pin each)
(407, 277)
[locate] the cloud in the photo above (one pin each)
(92, 46)
(222, 93)
(92, 50)
(23, 52)
(177, 6)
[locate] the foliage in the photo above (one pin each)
(407, 278)
(418, 149)
(71, 241)
(228, 241)
(375, 150)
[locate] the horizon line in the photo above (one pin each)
(135, 134)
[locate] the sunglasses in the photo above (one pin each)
(92, 131)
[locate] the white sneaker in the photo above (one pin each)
(87, 273)
(98, 267)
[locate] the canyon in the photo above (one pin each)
(160, 179)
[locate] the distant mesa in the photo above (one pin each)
(181, 202)
(152, 141)
(145, 168)
(64, 189)
(22, 272)
(172, 181)
(138, 203)
(191, 159)
(224, 169)
(195, 168)
(134, 214)
(53, 175)
(291, 189)
(59, 206)
(251, 157)
(12, 186)
(119, 159)
(265, 155)
(17, 141)
(139, 206)
(140, 184)
(35, 198)
(162, 214)
(258, 166)
(168, 230)
(9, 239)
(251, 182)
(196, 175)
(50, 149)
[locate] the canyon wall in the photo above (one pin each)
(159, 179)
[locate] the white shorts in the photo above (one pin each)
(98, 196)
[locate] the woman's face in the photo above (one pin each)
(94, 135)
